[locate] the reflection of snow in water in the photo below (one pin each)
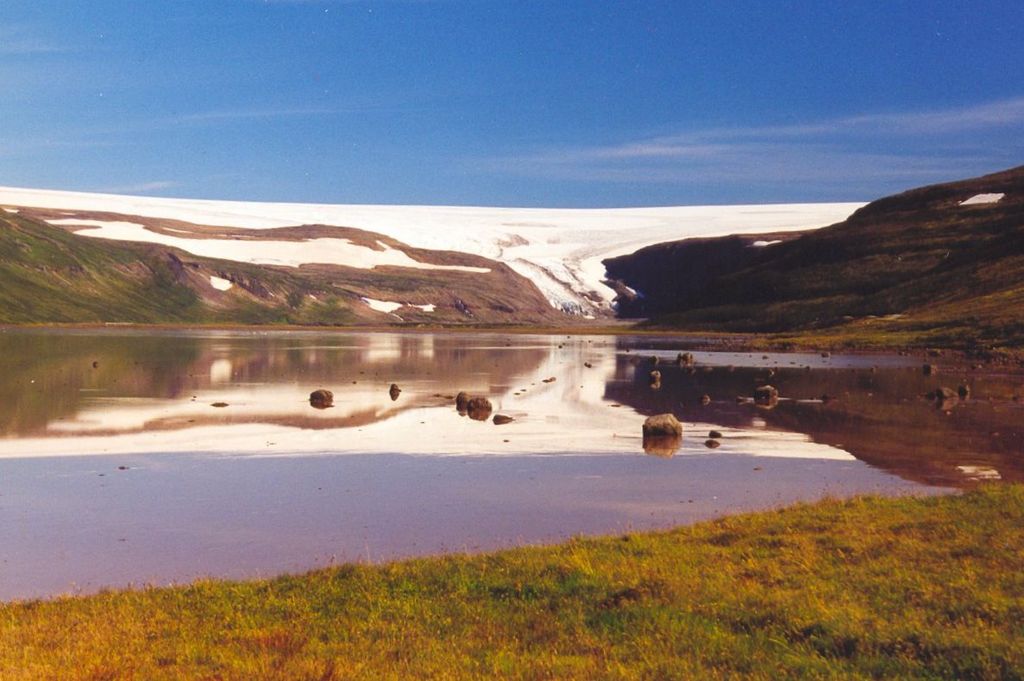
(220, 371)
(570, 415)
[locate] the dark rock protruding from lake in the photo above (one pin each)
(712, 444)
(462, 402)
(479, 408)
(964, 391)
(766, 396)
(394, 391)
(943, 394)
(662, 425)
(685, 359)
(321, 399)
(714, 435)
(502, 419)
(663, 434)
(705, 399)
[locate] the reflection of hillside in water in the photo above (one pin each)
(154, 382)
(882, 417)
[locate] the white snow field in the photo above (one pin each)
(559, 249)
(981, 199)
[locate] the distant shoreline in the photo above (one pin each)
(689, 340)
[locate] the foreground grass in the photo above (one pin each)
(927, 588)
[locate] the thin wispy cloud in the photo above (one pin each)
(140, 188)
(842, 152)
(16, 40)
(253, 114)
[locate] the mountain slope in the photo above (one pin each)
(558, 250)
(49, 273)
(944, 262)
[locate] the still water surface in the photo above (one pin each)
(116, 468)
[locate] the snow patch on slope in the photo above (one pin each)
(382, 305)
(220, 284)
(979, 199)
(560, 250)
(287, 253)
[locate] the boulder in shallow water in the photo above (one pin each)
(943, 394)
(321, 399)
(712, 444)
(502, 419)
(394, 391)
(662, 425)
(479, 408)
(684, 359)
(766, 396)
(461, 401)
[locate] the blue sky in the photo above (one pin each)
(519, 103)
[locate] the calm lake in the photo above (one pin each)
(117, 468)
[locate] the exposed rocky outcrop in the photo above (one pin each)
(667, 277)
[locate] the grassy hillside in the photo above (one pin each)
(51, 275)
(869, 588)
(917, 267)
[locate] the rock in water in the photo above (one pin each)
(655, 379)
(321, 399)
(766, 396)
(662, 425)
(461, 401)
(479, 408)
(394, 391)
(705, 400)
(663, 434)
(943, 394)
(712, 444)
(684, 359)
(714, 435)
(502, 419)
(964, 391)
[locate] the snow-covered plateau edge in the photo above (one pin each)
(559, 249)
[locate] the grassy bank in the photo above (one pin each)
(929, 588)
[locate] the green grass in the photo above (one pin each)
(868, 588)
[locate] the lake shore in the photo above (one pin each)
(823, 341)
(868, 587)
